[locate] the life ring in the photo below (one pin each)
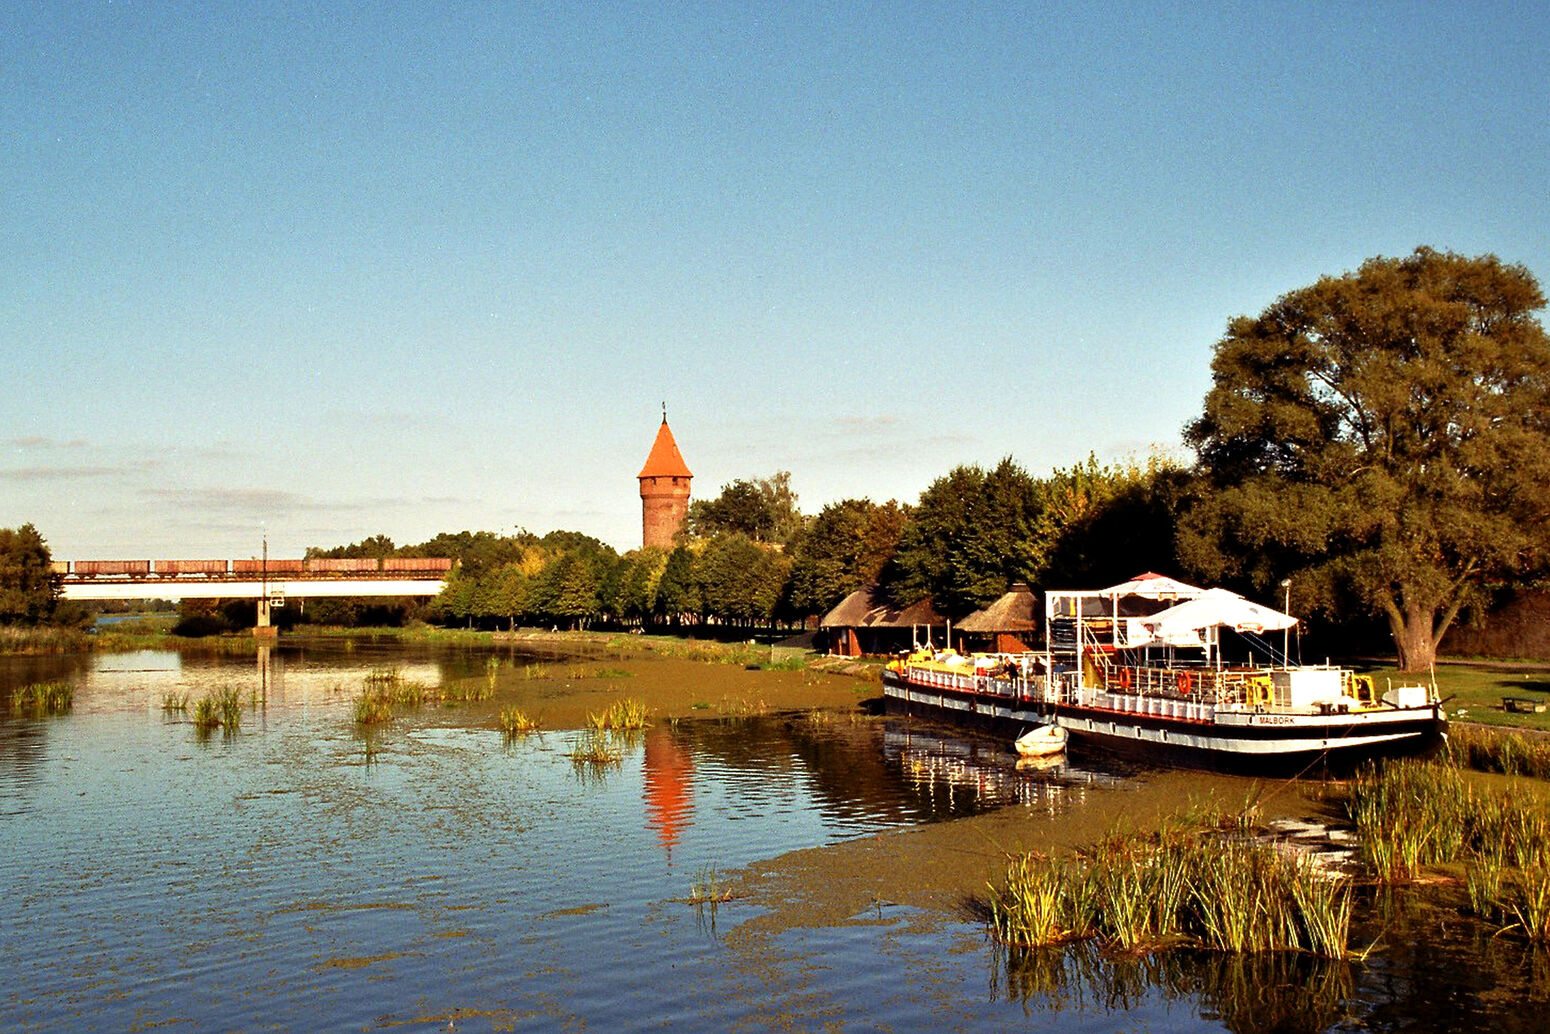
(1186, 682)
(1124, 678)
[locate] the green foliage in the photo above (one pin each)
(29, 588)
(968, 539)
(678, 590)
(1381, 437)
(764, 510)
(844, 548)
(740, 580)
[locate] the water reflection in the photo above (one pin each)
(1279, 991)
(322, 874)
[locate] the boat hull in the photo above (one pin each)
(1246, 742)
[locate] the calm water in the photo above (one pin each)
(288, 879)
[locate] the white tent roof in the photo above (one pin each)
(1213, 608)
(1154, 586)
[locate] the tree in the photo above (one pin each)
(1383, 438)
(843, 549)
(678, 590)
(29, 588)
(1099, 524)
(764, 510)
(969, 538)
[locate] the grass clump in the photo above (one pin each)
(516, 722)
(40, 699)
(628, 714)
(174, 703)
(1412, 816)
(595, 747)
(221, 709)
(1188, 885)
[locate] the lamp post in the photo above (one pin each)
(1286, 633)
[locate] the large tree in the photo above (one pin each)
(843, 549)
(1381, 438)
(764, 510)
(968, 539)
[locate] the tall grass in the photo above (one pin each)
(626, 714)
(516, 722)
(39, 699)
(1497, 750)
(1414, 815)
(221, 709)
(1186, 885)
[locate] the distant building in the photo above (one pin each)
(664, 490)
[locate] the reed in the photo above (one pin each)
(595, 747)
(621, 715)
(173, 702)
(516, 722)
(373, 707)
(1192, 884)
(706, 889)
(1499, 750)
(221, 709)
(1528, 902)
(43, 698)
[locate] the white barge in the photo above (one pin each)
(1138, 669)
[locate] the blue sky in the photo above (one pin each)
(318, 272)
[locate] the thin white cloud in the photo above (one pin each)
(40, 443)
(59, 473)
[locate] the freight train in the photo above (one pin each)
(247, 569)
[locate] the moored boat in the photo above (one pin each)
(1041, 741)
(1141, 669)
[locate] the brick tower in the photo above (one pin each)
(664, 490)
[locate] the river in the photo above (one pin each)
(435, 874)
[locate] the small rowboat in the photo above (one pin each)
(1041, 741)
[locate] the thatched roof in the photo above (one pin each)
(868, 607)
(1016, 611)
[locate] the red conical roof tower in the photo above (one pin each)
(664, 490)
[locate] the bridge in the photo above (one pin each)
(270, 582)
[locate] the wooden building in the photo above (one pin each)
(1008, 625)
(866, 623)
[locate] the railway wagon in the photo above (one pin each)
(271, 566)
(59, 566)
(94, 568)
(417, 564)
(175, 567)
(324, 565)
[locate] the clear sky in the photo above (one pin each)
(319, 271)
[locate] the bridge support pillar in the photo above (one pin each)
(264, 630)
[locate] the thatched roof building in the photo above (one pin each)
(1007, 625)
(865, 622)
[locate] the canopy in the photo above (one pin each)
(1213, 608)
(1154, 586)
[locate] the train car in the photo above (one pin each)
(417, 564)
(177, 567)
(97, 568)
(271, 566)
(323, 565)
(59, 566)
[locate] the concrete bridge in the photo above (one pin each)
(270, 582)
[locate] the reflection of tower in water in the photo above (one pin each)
(669, 787)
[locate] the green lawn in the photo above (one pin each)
(1477, 690)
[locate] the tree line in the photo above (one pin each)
(1379, 439)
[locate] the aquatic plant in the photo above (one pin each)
(221, 709)
(595, 747)
(706, 889)
(625, 714)
(515, 722)
(1186, 884)
(373, 708)
(174, 702)
(43, 698)
(1528, 901)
